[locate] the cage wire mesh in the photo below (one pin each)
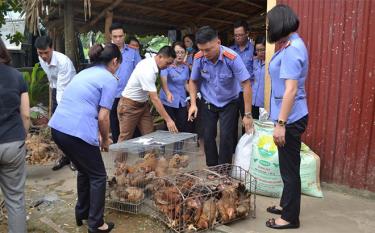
(202, 199)
(132, 165)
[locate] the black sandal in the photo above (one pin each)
(274, 210)
(271, 223)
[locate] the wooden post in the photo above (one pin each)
(107, 25)
(270, 50)
(70, 41)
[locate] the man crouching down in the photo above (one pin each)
(134, 109)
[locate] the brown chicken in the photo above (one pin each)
(226, 206)
(178, 161)
(134, 194)
(208, 215)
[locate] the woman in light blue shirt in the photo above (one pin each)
(258, 75)
(83, 112)
(288, 71)
(174, 86)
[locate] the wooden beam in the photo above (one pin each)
(107, 25)
(103, 13)
(206, 12)
(270, 50)
(248, 2)
(217, 8)
(148, 22)
(169, 12)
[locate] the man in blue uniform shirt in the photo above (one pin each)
(130, 58)
(218, 70)
(243, 47)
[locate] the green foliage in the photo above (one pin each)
(17, 38)
(8, 6)
(38, 85)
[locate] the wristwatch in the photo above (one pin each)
(281, 123)
(248, 115)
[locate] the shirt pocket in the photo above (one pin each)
(226, 79)
(205, 75)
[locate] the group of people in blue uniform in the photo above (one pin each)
(201, 80)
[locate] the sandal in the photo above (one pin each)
(271, 223)
(274, 210)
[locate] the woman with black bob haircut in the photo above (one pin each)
(288, 70)
(82, 113)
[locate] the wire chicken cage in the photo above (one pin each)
(203, 199)
(132, 166)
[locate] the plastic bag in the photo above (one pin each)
(243, 152)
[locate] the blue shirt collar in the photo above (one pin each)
(237, 47)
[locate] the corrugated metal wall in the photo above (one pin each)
(340, 36)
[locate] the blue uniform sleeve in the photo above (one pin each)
(239, 70)
(196, 70)
(164, 72)
(137, 57)
(291, 63)
(108, 94)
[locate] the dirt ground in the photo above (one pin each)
(55, 192)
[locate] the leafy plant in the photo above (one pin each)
(38, 85)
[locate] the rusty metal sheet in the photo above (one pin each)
(341, 87)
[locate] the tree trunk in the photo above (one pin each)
(70, 41)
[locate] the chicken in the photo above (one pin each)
(178, 161)
(208, 215)
(149, 163)
(226, 206)
(134, 194)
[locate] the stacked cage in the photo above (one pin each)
(133, 165)
(203, 199)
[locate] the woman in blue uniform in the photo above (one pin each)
(174, 86)
(258, 75)
(82, 114)
(288, 70)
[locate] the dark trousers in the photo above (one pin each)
(179, 116)
(53, 109)
(226, 116)
(91, 179)
(113, 120)
(290, 160)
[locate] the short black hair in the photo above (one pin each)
(132, 38)
(167, 51)
(241, 23)
(281, 22)
(115, 26)
(260, 39)
(43, 42)
(205, 34)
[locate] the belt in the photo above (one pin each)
(215, 108)
(134, 103)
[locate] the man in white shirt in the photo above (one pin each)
(134, 109)
(60, 71)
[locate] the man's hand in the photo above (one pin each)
(248, 124)
(279, 135)
(193, 111)
(104, 144)
(172, 127)
(169, 97)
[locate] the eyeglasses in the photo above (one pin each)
(260, 50)
(180, 52)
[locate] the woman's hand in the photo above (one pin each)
(169, 97)
(279, 135)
